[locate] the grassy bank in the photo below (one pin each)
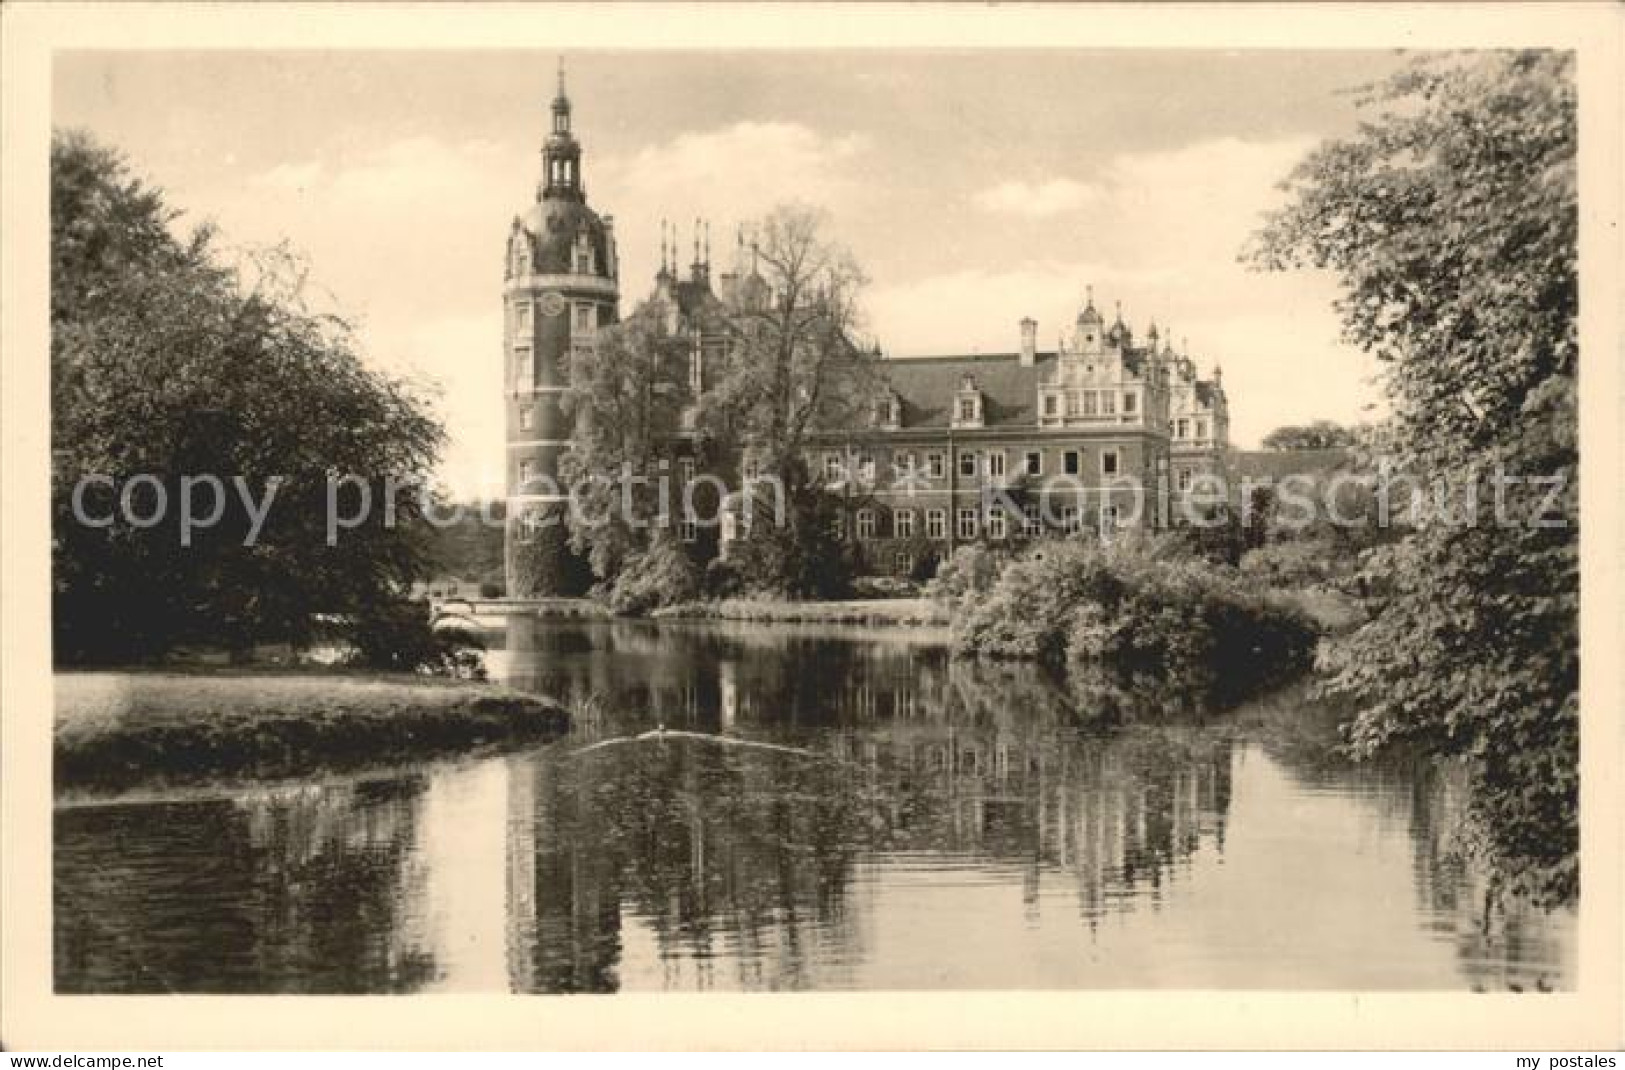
(122, 727)
(877, 611)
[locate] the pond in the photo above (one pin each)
(825, 808)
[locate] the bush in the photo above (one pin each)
(805, 558)
(662, 575)
(968, 570)
(1296, 563)
(1135, 603)
(884, 587)
(398, 636)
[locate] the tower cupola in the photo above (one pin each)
(561, 153)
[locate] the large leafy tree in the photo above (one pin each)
(168, 363)
(1451, 220)
(794, 372)
(627, 400)
(1316, 435)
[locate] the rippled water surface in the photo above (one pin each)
(827, 808)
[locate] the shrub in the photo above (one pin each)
(1295, 563)
(884, 587)
(661, 575)
(1025, 611)
(1136, 603)
(968, 570)
(398, 636)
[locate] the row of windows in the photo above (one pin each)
(1183, 428)
(753, 470)
(968, 523)
(583, 318)
(992, 463)
(527, 466)
(685, 474)
(1091, 403)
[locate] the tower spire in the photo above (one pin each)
(561, 154)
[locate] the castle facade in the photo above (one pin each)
(1100, 433)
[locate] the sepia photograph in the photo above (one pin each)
(571, 519)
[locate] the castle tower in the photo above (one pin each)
(560, 288)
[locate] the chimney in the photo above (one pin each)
(1029, 342)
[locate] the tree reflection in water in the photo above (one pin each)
(745, 857)
(958, 823)
(296, 888)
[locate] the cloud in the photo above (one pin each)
(290, 176)
(727, 176)
(1159, 231)
(1196, 202)
(745, 167)
(1037, 200)
(462, 356)
(978, 309)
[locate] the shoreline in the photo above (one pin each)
(118, 727)
(890, 612)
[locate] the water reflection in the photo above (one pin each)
(953, 824)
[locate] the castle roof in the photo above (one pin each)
(927, 386)
(553, 224)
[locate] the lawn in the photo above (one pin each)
(123, 727)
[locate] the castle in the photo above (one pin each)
(1123, 427)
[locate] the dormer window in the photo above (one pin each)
(968, 403)
(888, 411)
(583, 258)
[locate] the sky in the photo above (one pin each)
(975, 188)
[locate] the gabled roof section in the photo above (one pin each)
(927, 386)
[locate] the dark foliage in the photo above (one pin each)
(1452, 220)
(165, 363)
(396, 635)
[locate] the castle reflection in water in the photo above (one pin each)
(910, 803)
(923, 754)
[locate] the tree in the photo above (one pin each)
(1451, 220)
(626, 402)
(167, 364)
(1319, 435)
(794, 371)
